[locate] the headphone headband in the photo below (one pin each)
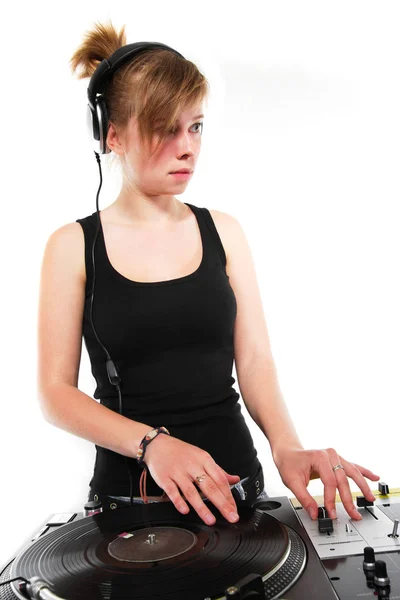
(108, 66)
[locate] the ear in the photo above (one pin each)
(115, 139)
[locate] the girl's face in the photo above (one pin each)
(180, 150)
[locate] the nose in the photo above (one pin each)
(186, 144)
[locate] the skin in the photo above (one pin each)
(147, 193)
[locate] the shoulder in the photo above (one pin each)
(229, 230)
(69, 236)
(66, 246)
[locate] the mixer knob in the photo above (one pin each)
(369, 559)
(369, 566)
(381, 578)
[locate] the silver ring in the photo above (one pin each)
(339, 466)
(200, 478)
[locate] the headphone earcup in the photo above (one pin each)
(92, 127)
(102, 124)
(97, 124)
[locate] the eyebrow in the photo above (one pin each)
(193, 118)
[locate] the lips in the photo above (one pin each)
(181, 171)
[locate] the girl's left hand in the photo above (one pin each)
(297, 467)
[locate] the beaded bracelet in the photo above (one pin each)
(149, 437)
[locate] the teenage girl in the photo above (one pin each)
(168, 292)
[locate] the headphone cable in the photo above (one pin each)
(112, 371)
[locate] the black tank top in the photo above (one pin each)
(172, 342)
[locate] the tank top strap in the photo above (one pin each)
(89, 226)
(210, 235)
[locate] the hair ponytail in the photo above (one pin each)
(98, 44)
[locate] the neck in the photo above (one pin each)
(145, 210)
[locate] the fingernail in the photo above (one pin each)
(210, 519)
(333, 514)
(233, 516)
(310, 512)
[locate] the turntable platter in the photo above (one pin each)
(154, 552)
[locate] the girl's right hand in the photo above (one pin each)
(174, 466)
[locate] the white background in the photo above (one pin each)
(300, 144)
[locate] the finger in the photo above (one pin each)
(229, 476)
(342, 484)
(171, 489)
(329, 480)
(225, 484)
(345, 492)
(356, 473)
(226, 506)
(191, 494)
(367, 473)
(218, 474)
(299, 489)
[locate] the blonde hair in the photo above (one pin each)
(156, 86)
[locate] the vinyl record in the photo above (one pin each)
(149, 552)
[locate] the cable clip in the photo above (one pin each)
(112, 372)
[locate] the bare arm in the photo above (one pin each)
(261, 393)
(61, 303)
(68, 408)
(255, 367)
(259, 387)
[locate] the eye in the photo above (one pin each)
(174, 130)
(200, 130)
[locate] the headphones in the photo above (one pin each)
(97, 120)
(97, 116)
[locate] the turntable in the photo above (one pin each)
(153, 552)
